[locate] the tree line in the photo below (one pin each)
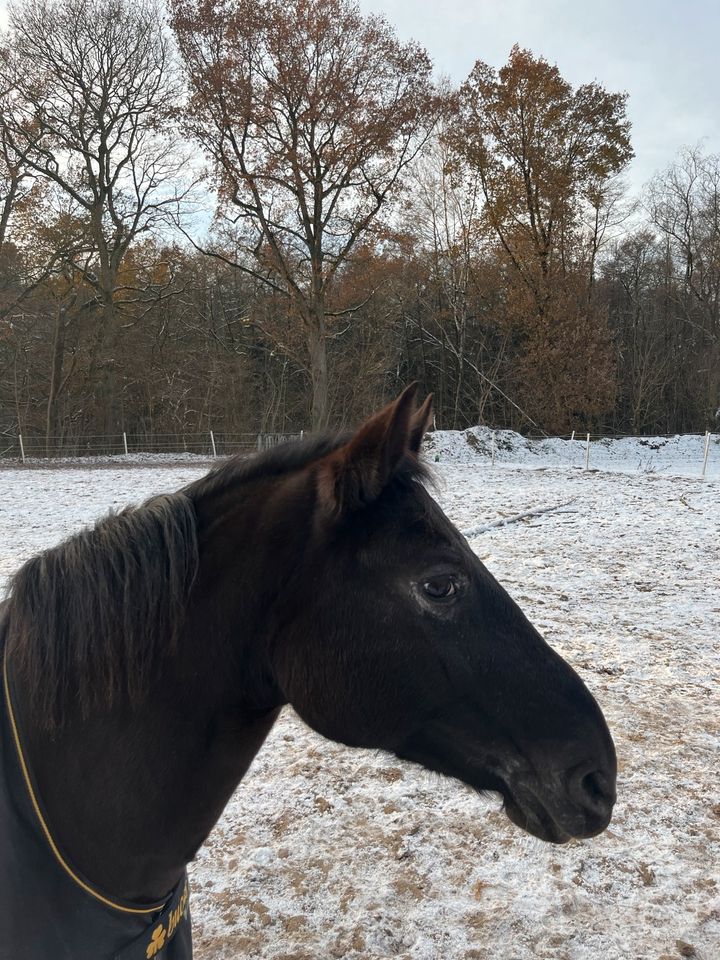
(268, 216)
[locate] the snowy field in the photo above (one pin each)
(327, 853)
(678, 455)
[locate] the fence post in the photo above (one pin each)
(573, 436)
(259, 441)
(587, 453)
(212, 443)
(706, 454)
(22, 447)
(302, 434)
(492, 449)
(125, 442)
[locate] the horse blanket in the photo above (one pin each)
(48, 911)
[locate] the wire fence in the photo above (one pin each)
(656, 453)
(26, 448)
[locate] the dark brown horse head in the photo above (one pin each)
(396, 636)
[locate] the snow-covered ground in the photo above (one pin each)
(326, 852)
(679, 455)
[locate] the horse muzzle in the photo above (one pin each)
(558, 806)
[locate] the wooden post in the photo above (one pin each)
(125, 442)
(707, 453)
(492, 449)
(259, 442)
(212, 443)
(302, 434)
(22, 447)
(587, 453)
(573, 436)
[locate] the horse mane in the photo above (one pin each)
(91, 618)
(287, 457)
(283, 458)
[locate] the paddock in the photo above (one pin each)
(357, 855)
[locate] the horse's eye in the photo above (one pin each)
(440, 588)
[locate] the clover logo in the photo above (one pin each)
(157, 942)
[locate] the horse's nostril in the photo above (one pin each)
(594, 785)
(592, 790)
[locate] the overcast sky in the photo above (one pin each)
(664, 53)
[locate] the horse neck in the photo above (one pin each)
(131, 793)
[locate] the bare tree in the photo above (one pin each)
(89, 96)
(310, 112)
(16, 185)
(445, 218)
(633, 284)
(684, 205)
(27, 258)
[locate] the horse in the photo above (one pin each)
(146, 659)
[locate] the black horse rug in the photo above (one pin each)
(50, 912)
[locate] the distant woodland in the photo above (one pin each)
(269, 215)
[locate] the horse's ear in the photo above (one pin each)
(420, 424)
(357, 472)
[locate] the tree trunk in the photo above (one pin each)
(108, 351)
(317, 345)
(58, 357)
